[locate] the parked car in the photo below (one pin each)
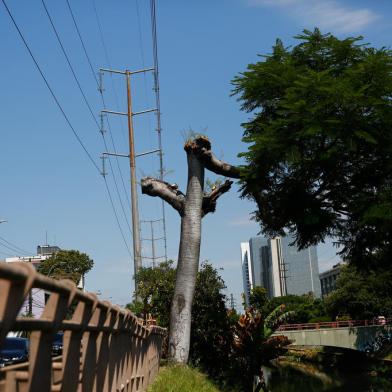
(381, 320)
(57, 346)
(14, 350)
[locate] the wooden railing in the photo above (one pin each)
(334, 324)
(105, 348)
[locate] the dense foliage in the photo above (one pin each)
(228, 347)
(67, 264)
(320, 143)
(155, 289)
(361, 295)
(298, 308)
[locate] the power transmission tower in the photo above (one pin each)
(232, 301)
(137, 256)
(153, 239)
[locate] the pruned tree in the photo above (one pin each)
(192, 207)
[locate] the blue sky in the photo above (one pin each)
(48, 183)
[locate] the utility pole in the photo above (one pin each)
(137, 256)
(153, 239)
(137, 249)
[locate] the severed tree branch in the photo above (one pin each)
(209, 201)
(168, 192)
(201, 146)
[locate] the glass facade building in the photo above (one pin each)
(278, 267)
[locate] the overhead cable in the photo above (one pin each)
(18, 248)
(81, 91)
(101, 92)
(50, 88)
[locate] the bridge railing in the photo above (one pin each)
(105, 348)
(333, 324)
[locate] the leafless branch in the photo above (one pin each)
(168, 192)
(209, 200)
(201, 146)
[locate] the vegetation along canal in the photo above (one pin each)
(308, 378)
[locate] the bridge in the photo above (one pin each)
(361, 335)
(105, 348)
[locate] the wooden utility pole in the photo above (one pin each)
(137, 256)
(137, 252)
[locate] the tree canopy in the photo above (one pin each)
(320, 143)
(67, 264)
(361, 294)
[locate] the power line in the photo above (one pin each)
(14, 246)
(83, 45)
(100, 89)
(118, 222)
(70, 65)
(82, 92)
(63, 112)
(10, 248)
(107, 120)
(102, 39)
(50, 88)
(104, 141)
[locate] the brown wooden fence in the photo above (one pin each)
(105, 348)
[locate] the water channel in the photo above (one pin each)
(313, 379)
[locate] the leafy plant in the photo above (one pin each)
(319, 161)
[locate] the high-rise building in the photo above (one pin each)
(328, 279)
(278, 267)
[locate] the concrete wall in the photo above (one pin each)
(357, 338)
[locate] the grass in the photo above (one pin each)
(178, 378)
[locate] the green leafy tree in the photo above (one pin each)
(303, 308)
(361, 294)
(258, 298)
(155, 288)
(319, 161)
(67, 264)
(211, 335)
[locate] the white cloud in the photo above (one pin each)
(326, 14)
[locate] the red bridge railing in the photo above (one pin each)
(334, 324)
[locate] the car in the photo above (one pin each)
(381, 320)
(14, 350)
(57, 346)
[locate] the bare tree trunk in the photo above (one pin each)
(188, 262)
(192, 207)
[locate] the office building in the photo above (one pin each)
(280, 268)
(328, 279)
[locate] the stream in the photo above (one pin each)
(308, 378)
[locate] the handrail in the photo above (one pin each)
(334, 324)
(105, 348)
